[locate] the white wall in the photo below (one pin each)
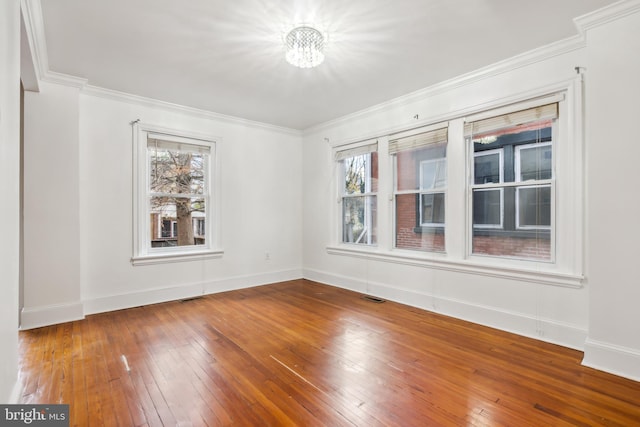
(260, 207)
(51, 207)
(602, 317)
(613, 109)
(9, 193)
(547, 311)
(78, 205)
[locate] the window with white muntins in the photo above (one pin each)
(174, 207)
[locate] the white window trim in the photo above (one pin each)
(491, 226)
(518, 166)
(500, 153)
(143, 254)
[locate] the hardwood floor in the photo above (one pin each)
(305, 354)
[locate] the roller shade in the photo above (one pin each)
(418, 141)
(356, 151)
(160, 144)
(543, 112)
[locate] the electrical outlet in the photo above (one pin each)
(267, 256)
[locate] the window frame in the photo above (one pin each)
(518, 158)
(498, 226)
(434, 136)
(517, 183)
(488, 186)
(369, 196)
(143, 252)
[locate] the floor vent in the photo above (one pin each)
(374, 299)
(190, 299)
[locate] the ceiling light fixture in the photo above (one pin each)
(304, 47)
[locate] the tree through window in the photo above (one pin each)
(177, 192)
(173, 195)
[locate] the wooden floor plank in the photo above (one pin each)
(302, 353)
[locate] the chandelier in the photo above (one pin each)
(304, 47)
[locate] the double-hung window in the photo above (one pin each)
(173, 212)
(512, 183)
(358, 178)
(420, 165)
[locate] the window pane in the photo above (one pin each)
(432, 209)
(535, 163)
(176, 172)
(487, 207)
(433, 174)
(424, 168)
(359, 220)
(176, 221)
(486, 168)
(534, 207)
(409, 233)
(361, 174)
(512, 221)
(534, 246)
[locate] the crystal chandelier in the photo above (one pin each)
(304, 47)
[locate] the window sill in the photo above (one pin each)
(440, 262)
(176, 257)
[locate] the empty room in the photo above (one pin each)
(319, 213)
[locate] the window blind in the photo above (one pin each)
(356, 151)
(417, 141)
(161, 144)
(543, 112)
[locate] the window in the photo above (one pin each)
(173, 194)
(358, 188)
(504, 199)
(420, 189)
(513, 183)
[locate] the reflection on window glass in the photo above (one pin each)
(433, 174)
(433, 208)
(421, 184)
(534, 207)
(487, 168)
(535, 162)
(511, 209)
(487, 208)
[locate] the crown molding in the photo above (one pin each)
(510, 64)
(606, 14)
(178, 108)
(34, 27)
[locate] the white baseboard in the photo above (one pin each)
(518, 323)
(154, 296)
(36, 317)
(617, 360)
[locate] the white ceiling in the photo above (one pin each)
(227, 56)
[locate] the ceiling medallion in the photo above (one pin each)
(304, 47)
